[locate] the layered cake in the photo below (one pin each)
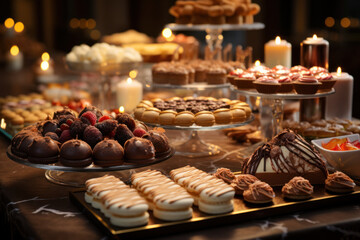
(203, 111)
(287, 155)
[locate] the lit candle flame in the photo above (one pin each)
(257, 63)
(338, 72)
(167, 33)
(314, 36)
(133, 73)
(9, 23)
(3, 124)
(14, 50)
(19, 27)
(45, 56)
(129, 80)
(277, 40)
(44, 65)
(121, 109)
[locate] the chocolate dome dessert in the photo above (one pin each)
(43, 150)
(287, 155)
(139, 150)
(159, 140)
(108, 153)
(21, 142)
(75, 153)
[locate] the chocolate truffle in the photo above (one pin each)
(43, 150)
(65, 113)
(139, 150)
(21, 143)
(48, 126)
(159, 140)
(75, 153)
(122, 134)
(108, 153)
(124, 118)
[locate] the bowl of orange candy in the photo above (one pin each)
(342, 152)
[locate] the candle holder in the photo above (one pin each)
(313, 52)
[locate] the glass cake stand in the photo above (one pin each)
(105, 71)
(194, 146)
(214, 37)
(76, 177)
(271, 107)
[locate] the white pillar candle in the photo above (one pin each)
(14, 58)
(278, 52)
(340, 103)
(128, 94)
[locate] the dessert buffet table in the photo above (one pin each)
(33, 208)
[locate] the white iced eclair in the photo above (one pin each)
(170, 201)
(211, 194)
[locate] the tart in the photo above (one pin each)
(306, 85)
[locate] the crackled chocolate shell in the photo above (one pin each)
(139, 150)
(159, 140)
(75, 153)
(21, 143)
(43, 150)
(108, 153)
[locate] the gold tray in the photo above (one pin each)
(242, 211)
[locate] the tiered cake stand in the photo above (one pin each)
(76, 177)
(194, 146)
(271, 107)
(214, 35)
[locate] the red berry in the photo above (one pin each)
(65, 136)
(90, 116)
(139, 132)
(112, 134)
(64, 126)
(103, 118)
(69, 122)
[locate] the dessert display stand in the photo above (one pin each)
(214, 35)
(76, 176)
(194, 146)
(103, 97)
(271, 108)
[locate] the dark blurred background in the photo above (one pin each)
(61, 24)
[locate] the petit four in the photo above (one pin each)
(297, 188)
(339, 182)
(259, 193)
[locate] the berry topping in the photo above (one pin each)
(92, 135)
(139, 132)
(64, 126)
(65, 136)
(89, 116)
(69, 121)
(103, 118)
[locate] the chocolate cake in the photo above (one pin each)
(287, 155)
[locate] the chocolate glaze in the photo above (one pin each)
(108, 153)
(302, 156)
(137, 149)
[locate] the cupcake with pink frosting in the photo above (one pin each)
(266, 84)
(306, 85)
(327, 81)
(286, 84)
(245, 80)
